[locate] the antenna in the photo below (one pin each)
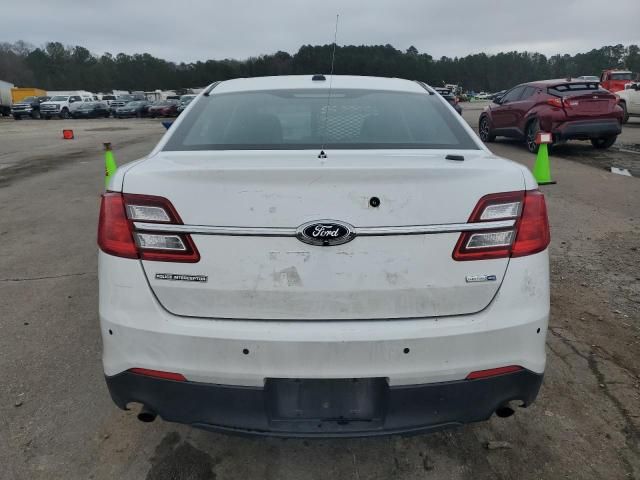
(326, 112)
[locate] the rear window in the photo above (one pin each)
(622, 76)
(301, 119)
(575, 89)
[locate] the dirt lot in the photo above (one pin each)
(57, 420)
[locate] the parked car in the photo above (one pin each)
(184, 104)
(28, 107)
(450, 97)
(62, 105)
(630, 101)
(122, 100)
(569, 109)
(614, 80)
(229, 301)
(588, 78)
(92, 110)
(108, 99)
(164, 108)
(132, 109)
(483, 96)
(187, 97)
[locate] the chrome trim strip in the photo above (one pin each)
(291, 232)
(428, 229)
(209, 230)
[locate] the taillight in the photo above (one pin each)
(114, 230)
(118, 236)
(528, 235)
(558, 102)
(533, 234)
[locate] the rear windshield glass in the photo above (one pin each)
(621, 76)
(575, 89)
(301, 119)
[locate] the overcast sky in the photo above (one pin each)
(192, 30)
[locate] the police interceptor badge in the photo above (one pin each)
(181, 277)
(480, 278)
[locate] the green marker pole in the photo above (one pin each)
(110, 166)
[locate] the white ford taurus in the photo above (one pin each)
(311, 256)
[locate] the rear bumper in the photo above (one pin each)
(138, 333)
(587, 129)
(383, 409)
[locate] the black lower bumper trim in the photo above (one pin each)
(586, 129)
(281, 409)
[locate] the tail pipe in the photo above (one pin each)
(504, 411)
(145, 415)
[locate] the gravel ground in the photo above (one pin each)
(57, 420)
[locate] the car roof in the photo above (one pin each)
(297, 82)
(556, 81)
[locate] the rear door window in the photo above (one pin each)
(512, 95)
(304, 119)
(528, 92)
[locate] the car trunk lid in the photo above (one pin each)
(584, 100)
(259, 272)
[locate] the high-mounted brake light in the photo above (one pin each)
(528, 235)
(118, 236)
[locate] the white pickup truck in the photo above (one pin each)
(630, 101)
(62, 105)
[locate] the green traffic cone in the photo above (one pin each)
(110, 166)
(542, 168)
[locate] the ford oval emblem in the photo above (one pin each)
(325, 232)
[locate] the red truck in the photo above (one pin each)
(614, 80)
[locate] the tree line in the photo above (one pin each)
(55, 66)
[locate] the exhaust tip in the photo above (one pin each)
(145, 415)
(504, 411)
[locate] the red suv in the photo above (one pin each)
(569, 109)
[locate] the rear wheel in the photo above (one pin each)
(485, 130)
(604, 142)
(532, 131)
(625, 114)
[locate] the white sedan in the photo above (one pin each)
(317, 256)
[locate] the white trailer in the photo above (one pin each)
(5, 97)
